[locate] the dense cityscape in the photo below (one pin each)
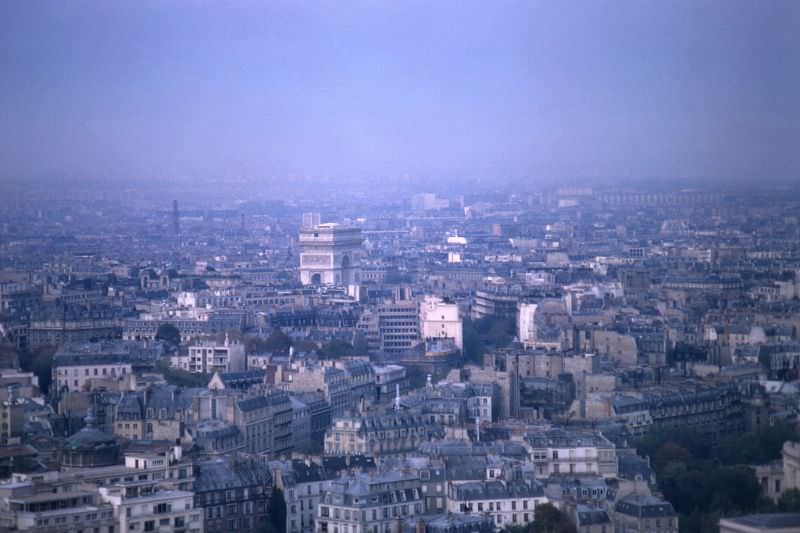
(400, 266)
(588, 359)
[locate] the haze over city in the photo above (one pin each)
(598, 91)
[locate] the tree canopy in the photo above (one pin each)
(180, 377)
(704, 482)
(336, 348)
(277, 511)
(484, 334)
(40, 362)
(169, 333)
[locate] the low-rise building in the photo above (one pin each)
(393, 434)
(209, 356)
(364, 502)
(562, 451)
(509, 503)
(638, 513)
(141, 508)
(304, 484)
(233, 496)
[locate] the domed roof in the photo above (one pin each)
(90, 437)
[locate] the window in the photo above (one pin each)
(149, 525)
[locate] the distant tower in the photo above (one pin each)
(176, 218)
(330, 254)
(526, 324)
(397, 397)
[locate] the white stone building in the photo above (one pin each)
(441, 320)
(509, 503)
(330, 254)
(208, 357)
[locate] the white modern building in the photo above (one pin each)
(526, 324)
(208, 357)
(561, 451)
(441, 320)
(158, 511)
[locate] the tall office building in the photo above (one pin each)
(176, 218)
(526, 324)
(330, 254)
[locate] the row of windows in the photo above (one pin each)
(384, 512)
(96, 371)
(498, 506)
(77, 518)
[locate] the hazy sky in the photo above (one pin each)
(435, 90)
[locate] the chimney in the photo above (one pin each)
(420, 526)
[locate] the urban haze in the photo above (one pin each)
(400, 267)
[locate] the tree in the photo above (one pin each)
(335, 348)
(756, 448)
(501, 332)
(548, 519)
(305, 346)
(473, 346)
(670, 453)
(737, 485)
(9, 358)
(277, 511)
(741, 449)
(180, 377)
(278, 342)
(789, 502)
(169, 333)
(40, 362)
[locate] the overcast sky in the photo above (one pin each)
(384, 89)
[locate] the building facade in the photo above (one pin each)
(330, 254)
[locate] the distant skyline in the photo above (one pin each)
(156, 92)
